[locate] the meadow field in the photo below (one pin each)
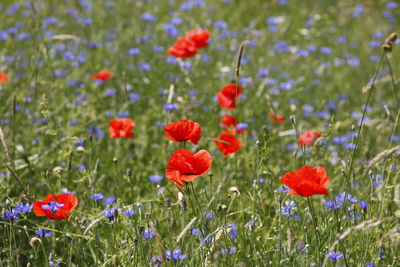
(199, 133)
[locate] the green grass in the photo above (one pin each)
(41, 138)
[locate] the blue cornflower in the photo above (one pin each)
(357, 11)
(134, 96)
(134, 51)
(289, 206)
(193, 93)
(110, 213)
(156, 260)
(326, 50)
(207, 241)
(158, 49)
(52, 206)
(111, 92)
(195, 231)
(3, 36)
(171, 107)
(155, 178)
(148, 233)
(69, 56)
(109, 200)
(241, 126)
(176, 255)
(171, 30)
(10, 215)
(129, 212)
(284, 189)
(336, 203)
(263, 72)
(232, 250)
(43, 233)
(272, 20)
(148, 17)
(172, 60)
(144, 67)
(233, 230)
(335, 256)
(23, 209)
(363, 204)
(93, 129)
(220, 25)
(392, 5)
(372, 264)
(176, 20)
(123, 114)
(281, 46)
(159, 124)
(205, 58)
(97, 196)
(209, 214)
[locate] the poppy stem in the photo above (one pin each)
(313, 218)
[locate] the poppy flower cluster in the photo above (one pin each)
(307, 181)
(184, 166)
(307, 138)
(121, 128)
(55, 207)
(227, 142)
(227, 96)
(186, 47)
(102, 75)
(4, 77)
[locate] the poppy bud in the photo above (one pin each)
(168, 202)
(392, 37)
(234, 189)
(47, 173)
(184, 204)
(35, 241)
(129, 172)
(90, 138)
(180, 196)
(387, 47)
(115, 160)
(219, 207)
(293, 119)
(370, 173)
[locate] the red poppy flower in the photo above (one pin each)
(227, 96)
(228, 120)
(102, 75)
(307, 181)
(234, 144)
(121, 128)
(307, 137)
(183, 166)
(55, 207)
(4, 77)
(184, 130)
(199, 37)
(183, 48)
(276, 117)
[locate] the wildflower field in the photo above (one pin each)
(199, 133)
